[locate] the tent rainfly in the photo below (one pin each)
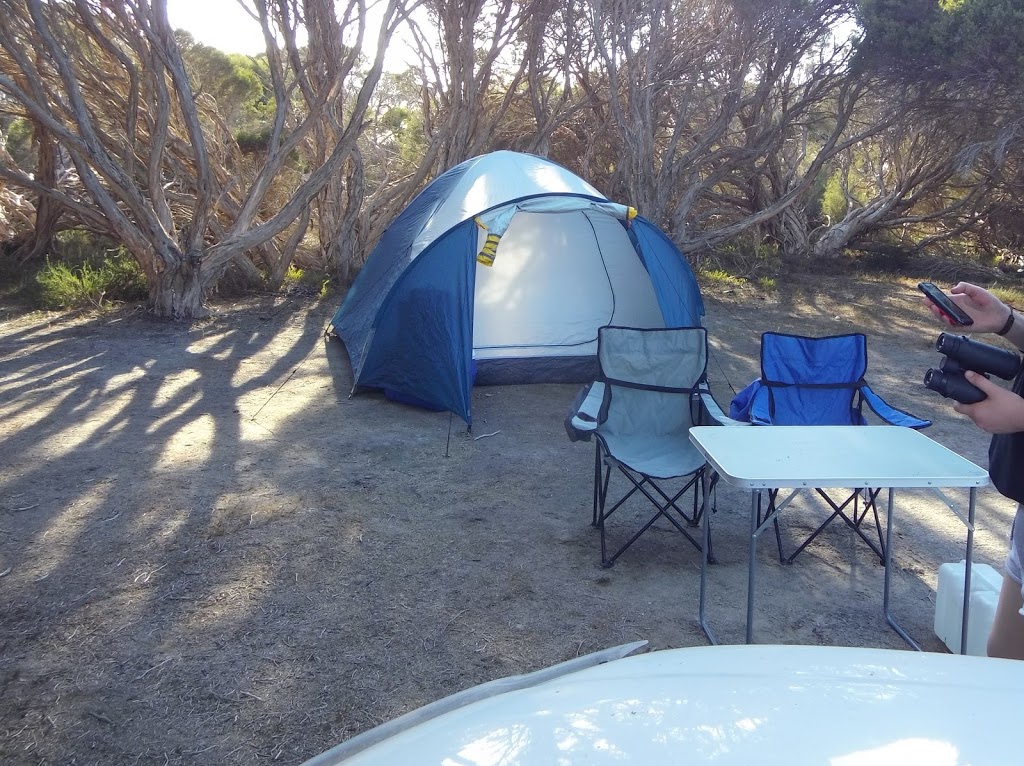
(501, 271)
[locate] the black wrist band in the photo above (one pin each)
(1007, 326)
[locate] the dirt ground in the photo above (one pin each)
(209, 554)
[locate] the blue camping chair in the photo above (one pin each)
(818, 381)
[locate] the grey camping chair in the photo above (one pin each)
(651, 389)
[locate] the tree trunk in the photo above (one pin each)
(331, 208)
(48, 210)
(856, 223)
(790, 230)
(177, 292)
(349, 237)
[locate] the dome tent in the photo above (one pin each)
(503, 269)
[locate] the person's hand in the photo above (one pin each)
(1001, 412)
(988, 312)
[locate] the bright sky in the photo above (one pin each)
(221, 24)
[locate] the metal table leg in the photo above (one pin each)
(752, 567)
(705, 543)
(888, 575)
(755, 531)
(967, 573)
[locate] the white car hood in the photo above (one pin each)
(724, 705)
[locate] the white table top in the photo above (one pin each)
(762, 457)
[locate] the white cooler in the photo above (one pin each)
(986, 583)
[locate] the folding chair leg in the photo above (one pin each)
(854, 523)
(665, 506)
(870, 504)
(772, 495)
(809, 540)
(608, 561)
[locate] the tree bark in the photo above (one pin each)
(48, 210)
(178, 291)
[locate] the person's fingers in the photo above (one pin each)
(980, 381)
(963, 409)
(977, 296)
(968, 289)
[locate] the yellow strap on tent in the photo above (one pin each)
(489, 251)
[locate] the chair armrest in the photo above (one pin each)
(711, 411)
(890, 414)
(587, 412)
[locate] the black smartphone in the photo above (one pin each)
(950, 310)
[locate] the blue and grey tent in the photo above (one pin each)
(501, 271)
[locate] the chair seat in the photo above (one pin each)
(664, 457)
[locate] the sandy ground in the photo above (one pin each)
(209, 554)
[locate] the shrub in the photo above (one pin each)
(76, 246)
(307, 282)
(64, 287)
(833, 200)
(123, 280)
(254, 140)
(116, 279)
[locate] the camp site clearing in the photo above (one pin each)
(212, 554)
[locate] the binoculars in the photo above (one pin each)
(964, 354)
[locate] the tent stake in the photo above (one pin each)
(447, 443)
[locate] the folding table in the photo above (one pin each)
(823, 457)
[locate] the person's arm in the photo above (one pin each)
(1016, 332)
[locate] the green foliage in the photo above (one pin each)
(254, 140)
(841, 186)
(742, 262)
(833, 200)
(63, 287)
(236, 82)
(719, 278)
(722, 279)
(396, 119)
(116, 280)
(307, 282)
(76, 246)
(397, 127)
(88, 274)
(19, 140)
(122, 279)
(944, 39)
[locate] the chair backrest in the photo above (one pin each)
(810, 381)
(651, 376)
